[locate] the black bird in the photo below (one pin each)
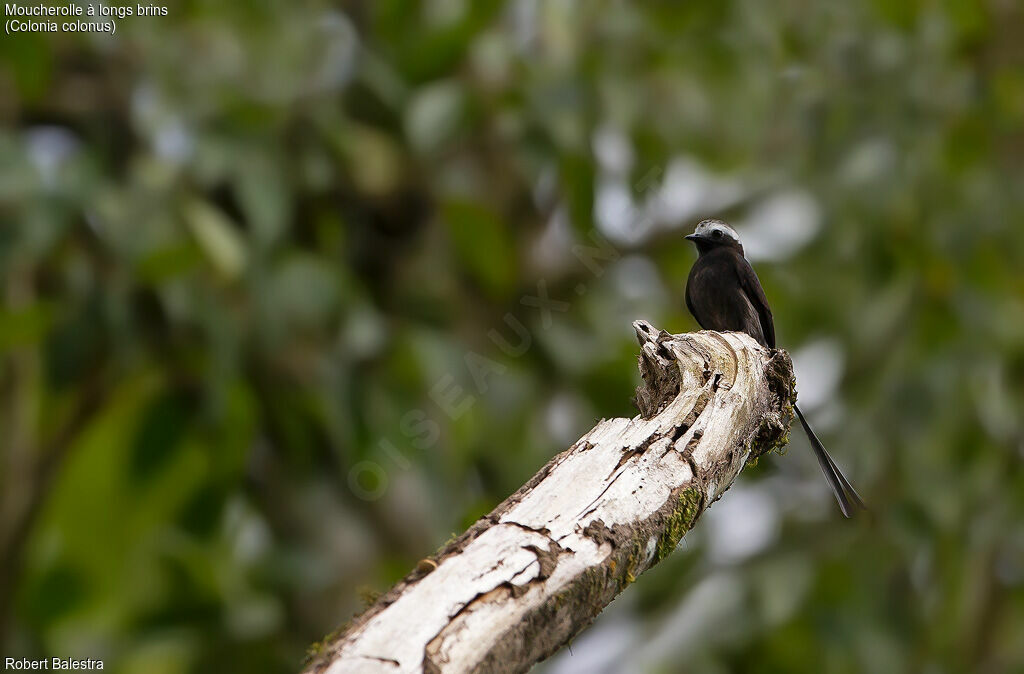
(723, 293)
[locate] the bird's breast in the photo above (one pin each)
(717, 300)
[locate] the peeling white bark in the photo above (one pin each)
(526, 578)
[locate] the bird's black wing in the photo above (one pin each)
(751, 286)
(689, 305)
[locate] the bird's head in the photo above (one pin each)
(711, 234)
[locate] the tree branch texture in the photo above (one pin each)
(526, 578)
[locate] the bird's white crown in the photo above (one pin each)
(709, 227)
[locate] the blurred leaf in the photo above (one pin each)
(482, 243)
(29, 56)
(373, 160)
(577, 176)
(25, 326)
(167, 263)
(435, 114)
(161, 428)
(217, 237)
(263, 192)
(201, 512)
(303, 292)
(76, 343)
(55, 594)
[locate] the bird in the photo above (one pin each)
(724, 294)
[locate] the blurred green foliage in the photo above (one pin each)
(251, 252)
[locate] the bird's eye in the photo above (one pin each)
(717, 234)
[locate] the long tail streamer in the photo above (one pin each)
(845, 494)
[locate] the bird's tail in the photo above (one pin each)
(845, 494)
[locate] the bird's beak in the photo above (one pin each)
(693, 237)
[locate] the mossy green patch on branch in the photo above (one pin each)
(681, 521)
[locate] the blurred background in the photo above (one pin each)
(294, 291)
